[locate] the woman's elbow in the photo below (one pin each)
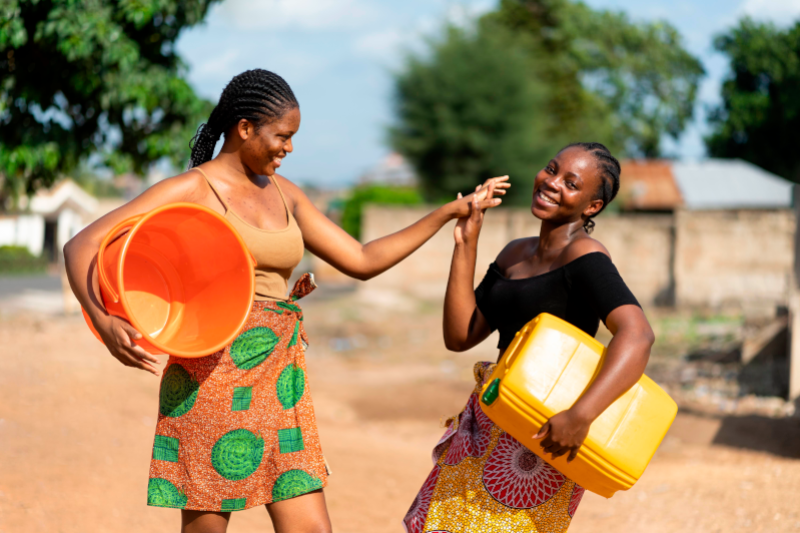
(648, 337)
(644, 341)
(454, 345)
(69, 247)
(362, 276)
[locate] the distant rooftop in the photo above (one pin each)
(648, 184)
(707, 184)
(392, 170)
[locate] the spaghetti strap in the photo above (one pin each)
(283, 198)
(216, 192)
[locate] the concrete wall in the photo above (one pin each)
(640, 245)
(693, 259)
(739, 258)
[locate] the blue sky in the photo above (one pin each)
(338, 56)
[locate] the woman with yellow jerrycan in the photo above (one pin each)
(485, 480)
(236, 429)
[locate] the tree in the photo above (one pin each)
(471, 110)
(600, 64)
(759, 116)
(530, 77)
(83, 77)
(374, 194)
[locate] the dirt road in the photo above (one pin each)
(76, 433)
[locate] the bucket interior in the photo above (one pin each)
(187, 280)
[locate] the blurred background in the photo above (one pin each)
(404, 105)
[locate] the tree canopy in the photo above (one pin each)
(470, 109)
(83, 77)
(531, 76)
(759, 116)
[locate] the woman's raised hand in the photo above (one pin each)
(118, 336)
(485, 194)
(469, 225)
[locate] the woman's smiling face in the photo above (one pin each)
(265, 147)
(566, 189)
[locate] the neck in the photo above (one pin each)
(553, 238)
(231, 161)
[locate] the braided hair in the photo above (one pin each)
(258, 95)
(609, 174)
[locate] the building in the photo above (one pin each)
(49, 219)
(711, 184)
(393, 170)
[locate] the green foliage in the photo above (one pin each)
(530, 77)
(97, 186)
(471, 109)
(374, 194)
(18, 260)
(759, 116)
(635, 77)
(93, 76)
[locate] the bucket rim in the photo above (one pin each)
(144, 217)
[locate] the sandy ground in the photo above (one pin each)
(76, 432)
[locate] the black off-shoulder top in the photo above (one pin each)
(582, 292)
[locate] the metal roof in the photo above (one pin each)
(647, 184)
(730, 184)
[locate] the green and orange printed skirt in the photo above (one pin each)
(236, 429)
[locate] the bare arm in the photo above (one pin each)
(80, 255)
(626, 359)
(464, 325)
(364, 261)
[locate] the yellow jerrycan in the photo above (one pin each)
(545, 369)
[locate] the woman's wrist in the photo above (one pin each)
(468, 247)
(449, 211)
(584, 413)
(97, 315)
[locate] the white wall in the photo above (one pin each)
(23, 230)
(69, 224)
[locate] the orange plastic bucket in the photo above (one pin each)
(181, 275)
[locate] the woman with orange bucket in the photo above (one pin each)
(236, 429)
(484, 479)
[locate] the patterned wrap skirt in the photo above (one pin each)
(237, 429)
(483, 480)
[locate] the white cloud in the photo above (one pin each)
(781, 12)
(381, 44)
(302, 14)
(387, 43)
(217, 66)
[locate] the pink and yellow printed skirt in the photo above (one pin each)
(237, 429)
(484, 481)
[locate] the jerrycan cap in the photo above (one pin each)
(492, 392)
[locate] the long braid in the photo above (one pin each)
(609, 172)
(256, 95)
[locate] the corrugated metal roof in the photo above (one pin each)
(730, 184)
(648, 184)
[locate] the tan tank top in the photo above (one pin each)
(277, 253)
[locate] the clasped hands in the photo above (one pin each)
(471, 208)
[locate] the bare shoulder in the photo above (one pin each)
(188, 186)
(583, 246)
(294, 194)
(516, 251)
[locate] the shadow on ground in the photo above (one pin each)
(778, 436)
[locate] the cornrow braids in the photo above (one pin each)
(609, 172)
(256, 95)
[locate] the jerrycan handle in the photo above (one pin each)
(508, 355)
(111, 236)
